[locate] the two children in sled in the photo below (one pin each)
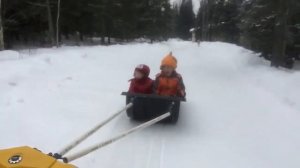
(167, 83)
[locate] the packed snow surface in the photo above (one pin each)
(240, 113)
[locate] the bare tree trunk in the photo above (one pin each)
(206, 19)
(57, 23)
(103, 31)
(279, 46)
(209, 19)
(1, 29)
(50, 23)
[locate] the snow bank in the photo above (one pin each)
(9, 55)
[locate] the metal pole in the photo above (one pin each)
(120, 136)
(93, 130)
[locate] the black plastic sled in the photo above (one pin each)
(149, 106)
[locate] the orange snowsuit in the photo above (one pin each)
(169, 85)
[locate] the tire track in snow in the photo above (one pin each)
(142, 149)
(157, 148)
(162, 154)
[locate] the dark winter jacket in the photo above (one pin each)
(144, 86)
(169, 85)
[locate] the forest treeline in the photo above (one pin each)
(270, 27)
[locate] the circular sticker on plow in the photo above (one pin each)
(15, 159)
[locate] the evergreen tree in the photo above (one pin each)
(204, 19)
(185, 19)
(257, 25)
(267, 27)
(217, 20)
(155, 19)
(25, 21)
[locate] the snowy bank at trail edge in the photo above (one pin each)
(239, 111)
(9, 55)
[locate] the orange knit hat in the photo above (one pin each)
(169, 60)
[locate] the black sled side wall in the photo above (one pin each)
(149, 106)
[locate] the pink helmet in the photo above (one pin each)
(144, 69)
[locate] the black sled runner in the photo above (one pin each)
(149, 106)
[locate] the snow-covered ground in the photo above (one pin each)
(240, 112)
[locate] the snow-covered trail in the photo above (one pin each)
(239, 113)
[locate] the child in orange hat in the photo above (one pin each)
(168, 82)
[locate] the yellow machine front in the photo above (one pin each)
(26, 157)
